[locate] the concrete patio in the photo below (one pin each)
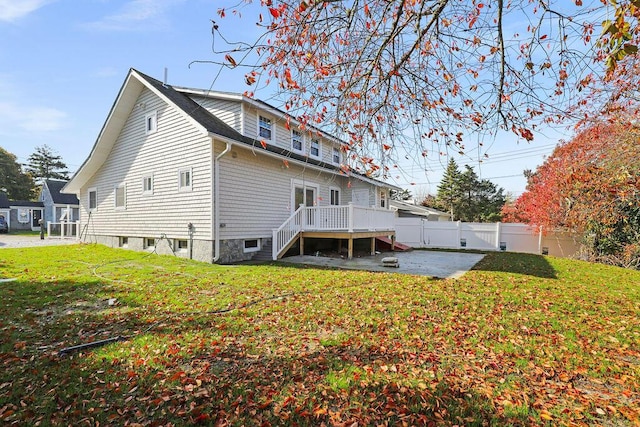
(445, 265)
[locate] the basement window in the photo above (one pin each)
(149, 243)
(251, 245)
(181, 245)
(123, 242)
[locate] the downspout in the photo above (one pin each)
(216, 205)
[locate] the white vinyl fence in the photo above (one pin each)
(63, 230)
(420, 233)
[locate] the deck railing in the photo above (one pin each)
(349, 218)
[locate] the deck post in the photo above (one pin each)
(350, 255)
(393, 243)
(351, 218)
(301, 244)
(339, 246)
(373, 246)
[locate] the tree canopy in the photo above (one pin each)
(591, 185)
(44, 163)
(422, 77)
(467, 197)
(13, 181)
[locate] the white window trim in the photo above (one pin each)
(333, 150)
(115, 197)
(185, 187)
(273, 128)
(89, 191)
(304, 184)
(295, 150)
(319, 155)
(144, 179)
(154, 123)
(339, 195)
(249, 250)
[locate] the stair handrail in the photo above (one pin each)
(288, 231)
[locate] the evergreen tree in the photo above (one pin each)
(467, 197)
(13, 181)
(44, 163)
(449, 189)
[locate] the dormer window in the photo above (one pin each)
(314, 148)
(151, 123)
(265, 127)
(335, 156)
(297, 140)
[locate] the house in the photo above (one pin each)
(409, 209)
(21, 214)
(219, 177)
(58, 207)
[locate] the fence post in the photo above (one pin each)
(540, 241)
(498, 230)
(459, 234)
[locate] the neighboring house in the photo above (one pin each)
(24, 215)
(58, 207)
(210, 176)
(408, 209)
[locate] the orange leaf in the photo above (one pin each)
(230, 59)
(274, 12)
(263, 143)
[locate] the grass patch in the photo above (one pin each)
(520, 340)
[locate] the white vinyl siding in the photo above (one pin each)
(228, 111)
(256, 192)
(177, 144)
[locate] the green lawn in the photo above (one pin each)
(521, 340)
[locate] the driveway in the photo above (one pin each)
(26, 241)
(445, 265)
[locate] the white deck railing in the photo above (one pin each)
(63, 230)
(349, 218)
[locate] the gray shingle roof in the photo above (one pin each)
(59, 198)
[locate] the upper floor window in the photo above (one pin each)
(297, 140)
(93, 199)
(121, 196)
(151, 123)
(335, 155)
(185, 179)
(314, 148)
(147, 184)
(265, 128)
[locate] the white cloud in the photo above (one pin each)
(32, 119)
(136, 15)
(12, 10)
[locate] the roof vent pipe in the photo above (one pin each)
(166, 74)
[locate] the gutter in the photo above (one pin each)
(216, 191)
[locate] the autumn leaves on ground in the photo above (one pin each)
(521, 340)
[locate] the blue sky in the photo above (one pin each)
(62, 63)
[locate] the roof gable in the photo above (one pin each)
(55, 187)
(191, 111)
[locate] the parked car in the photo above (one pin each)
(4, 227)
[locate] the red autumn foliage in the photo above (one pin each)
(590, 184)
